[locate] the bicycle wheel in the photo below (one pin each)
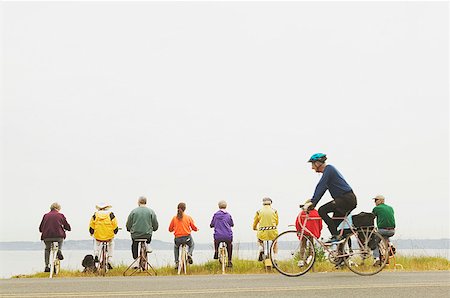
(360, 249)
(295, 257)
(182, 260)
(57, 266)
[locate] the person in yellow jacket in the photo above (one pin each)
(103, 227)
(265, 223)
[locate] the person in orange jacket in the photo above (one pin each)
(182, 225)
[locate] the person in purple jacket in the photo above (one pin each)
(222, 223)
(53, 227)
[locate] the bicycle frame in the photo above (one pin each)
(223, 256)
(54, 259)
(182, 263)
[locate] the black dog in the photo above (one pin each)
(89, 264)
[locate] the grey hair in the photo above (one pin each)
(222, 204)
(267, 201)
(142, 200)
(55, 206)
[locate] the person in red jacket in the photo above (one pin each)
(53, 227)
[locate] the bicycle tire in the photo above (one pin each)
(57, 266)
(291, 260)
(182, 260)
(359, 249)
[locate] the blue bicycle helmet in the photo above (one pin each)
(318, 157)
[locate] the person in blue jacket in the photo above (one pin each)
(344, 200)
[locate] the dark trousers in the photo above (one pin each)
(229, 247)
(135, 246)
(340, 206)
(48, 245)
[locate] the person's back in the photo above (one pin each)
(103, 227)
(265, 223)
(141, 224)
(222, 222)
(182, 225)
(385, 215)
(53, 226)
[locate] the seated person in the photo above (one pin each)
(141, 223)
(182, 225)
(53, 227)
(266, 222)
(103, 227)
(222, 222)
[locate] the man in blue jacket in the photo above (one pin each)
(344, 200)
(222, 222)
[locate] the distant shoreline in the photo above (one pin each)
(124, 244)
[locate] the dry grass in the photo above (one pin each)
(255, 267)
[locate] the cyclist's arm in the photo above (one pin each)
(92, 225)
(231, 221)
(193, 227)
(129, 223)
(114, 223)
(256, 221)
(320, 190)
(211, 225)
(155, 223)
(41, 226)
(66, 225)
(276, 217)
(172, 225)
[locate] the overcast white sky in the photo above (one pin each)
(199, 102)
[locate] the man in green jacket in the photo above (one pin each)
(141, 223)
(385, 221)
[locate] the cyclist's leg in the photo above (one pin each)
(190, 243)
(60, 244)
(97, 249)
(386, 234)
(134, 249)
(216, 249)
(323, 212)
(176, 248)
(110, 252)
(48, 246)
(260, 249)
(229, 249)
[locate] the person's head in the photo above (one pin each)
(55, 206)
(378, 200)
(317, 161)
(222, 204)
(142, 201)
(267, 201)
(103, 206)
(180, 210)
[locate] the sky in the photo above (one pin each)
(198, 102)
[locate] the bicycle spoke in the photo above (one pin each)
(362, 248)
(295, 256)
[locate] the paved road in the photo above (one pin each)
(385, 284)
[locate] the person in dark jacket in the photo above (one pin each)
(53, 227)
(222, 222)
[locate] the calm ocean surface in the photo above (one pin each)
(28, 262)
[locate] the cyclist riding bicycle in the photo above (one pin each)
(344, 200)
(53, 227)
(182, 225)
(266, 222)
(141, 224)
(222, 222)
(103, 227)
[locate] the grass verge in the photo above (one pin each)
(255, 267)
